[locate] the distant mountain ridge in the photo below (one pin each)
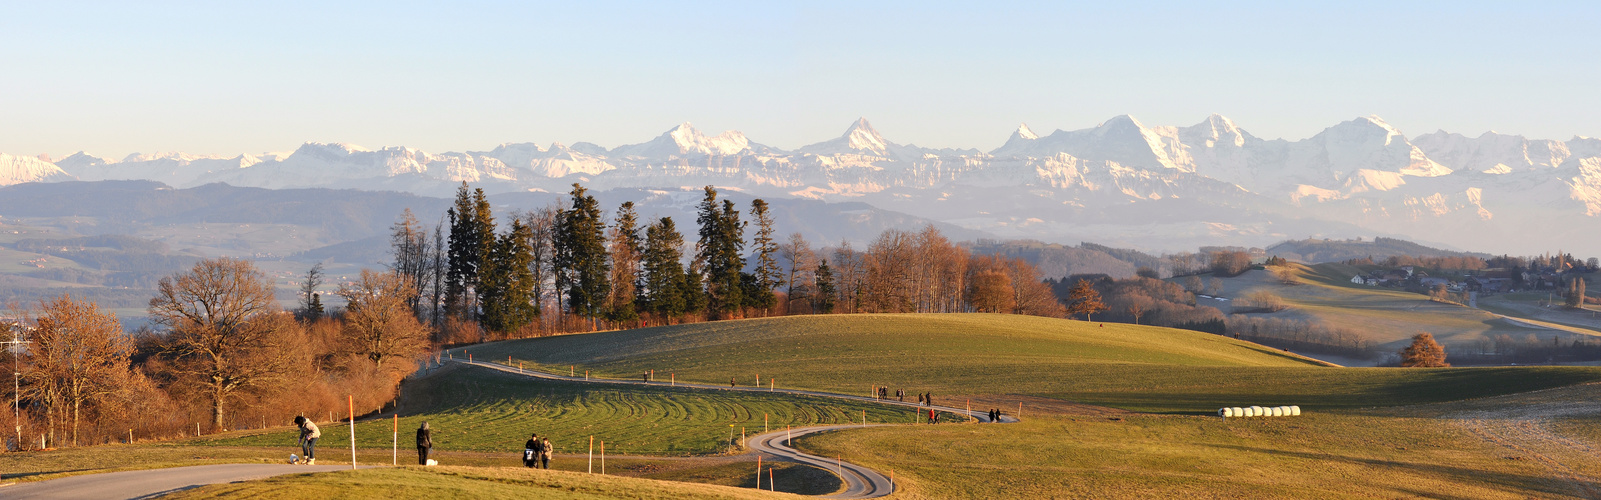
(1121, 182)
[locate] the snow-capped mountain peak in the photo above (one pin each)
(1023, 132)
(862, 137)
(684, 140)
(20, 169)
(81, 160)
(1215, 131)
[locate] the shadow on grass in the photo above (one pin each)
(16, 475)
(1516, 483)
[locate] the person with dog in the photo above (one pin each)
(308, 440)
(425, 443)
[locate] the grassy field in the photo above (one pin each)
(1388, 316)
(1123, 366)
(483, 410)
(1528, 305)
(1163, 456)
(463, 482)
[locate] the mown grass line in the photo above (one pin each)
(480, 409)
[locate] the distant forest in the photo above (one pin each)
(1318, 251)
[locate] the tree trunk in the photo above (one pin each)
(216, 410)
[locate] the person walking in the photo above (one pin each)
(425, 443)
(531, 451)
(308, 440)
(545, 450)
(731, 382)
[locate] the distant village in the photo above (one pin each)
(1486, 281)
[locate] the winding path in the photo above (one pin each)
(860, 482)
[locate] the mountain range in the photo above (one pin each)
(1121, 182)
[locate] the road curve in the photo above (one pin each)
(860, 482)
(151, 482)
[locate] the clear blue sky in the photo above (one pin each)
(229, 77)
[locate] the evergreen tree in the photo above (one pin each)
(625, 249)
(767, 274)
(825, 288)
(314, 308)
(508, 295)
(472, 237)
(718, 255)
(693, 289)
(582, 271)
(664, 282)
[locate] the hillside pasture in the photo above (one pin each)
(483, 410)
(1388, 316)
(1122, 366)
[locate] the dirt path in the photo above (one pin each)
(1525, 425)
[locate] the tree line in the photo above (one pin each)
(570, 267)
(224, 355)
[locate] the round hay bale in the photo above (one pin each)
(1295, 411)
(1224, 412)
(1278, 411)
(1256, 411)
(1238, 412)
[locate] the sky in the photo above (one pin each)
(225, 78)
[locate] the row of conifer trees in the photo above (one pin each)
(627, 271)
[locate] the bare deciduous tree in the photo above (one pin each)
(802, 262)
(77, 354)
(226, 333)
(378, 324)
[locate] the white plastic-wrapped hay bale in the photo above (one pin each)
(1256, 411)
(1278, 411)
(1238, 412)
(1225, 412)
(1295, 411)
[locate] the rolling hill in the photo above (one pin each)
(1123, 366)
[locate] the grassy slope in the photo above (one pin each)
(1163, 456)
(462, 482)
(1528, 305)
(1125, 366)
(1388, 316)
(477, 409)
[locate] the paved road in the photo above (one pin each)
(860, 482)
(150, 483)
